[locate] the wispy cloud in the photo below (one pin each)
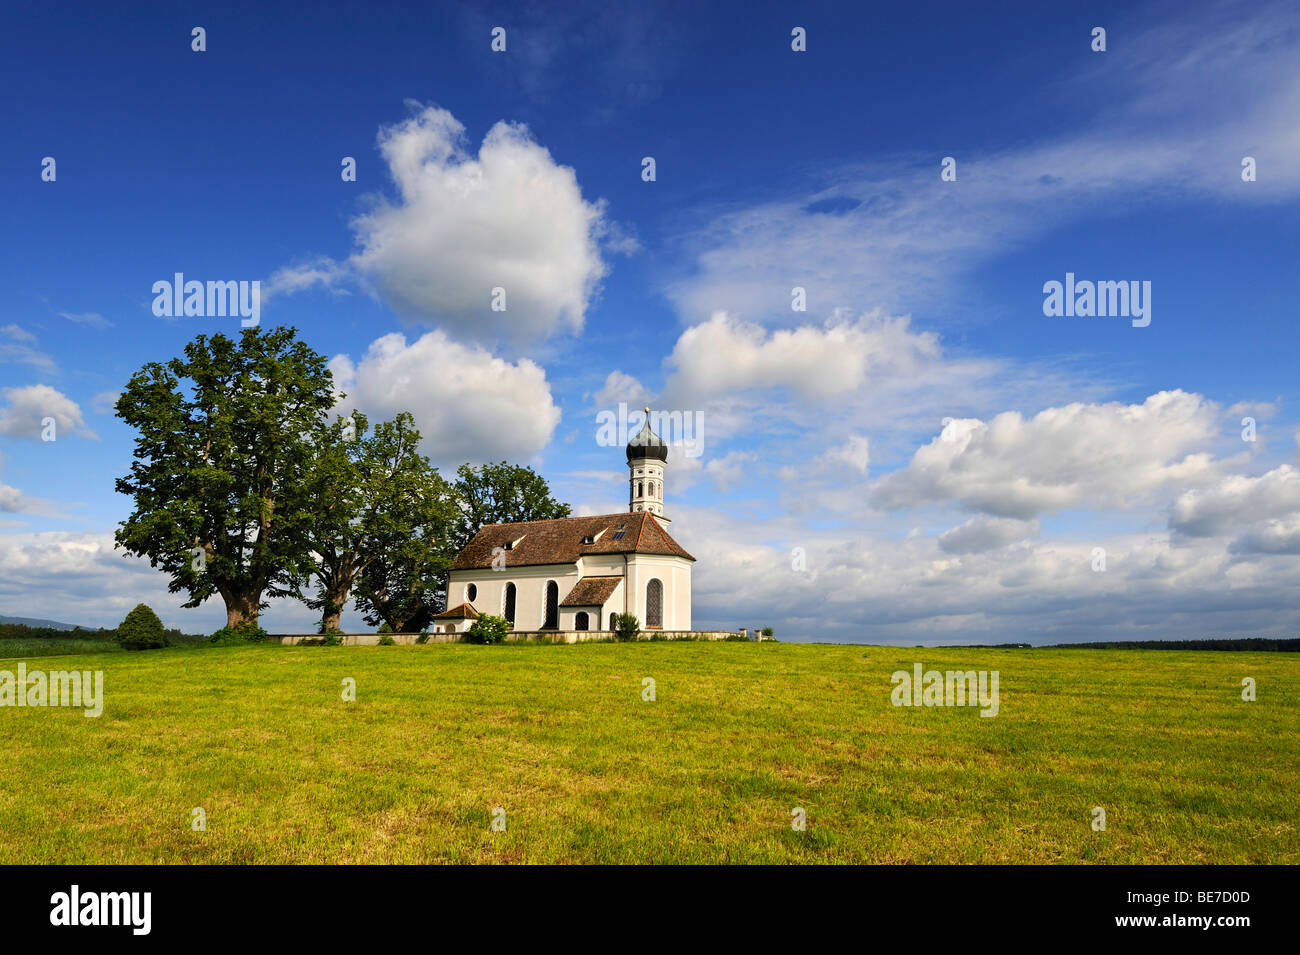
(18, 350)
(1175, 117)
(92, 319)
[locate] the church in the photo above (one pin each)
(576, 573)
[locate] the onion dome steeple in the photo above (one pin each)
(647, 453)
(646, 444)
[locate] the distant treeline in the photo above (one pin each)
(20, 631)
(1244, 643)
(983, 646)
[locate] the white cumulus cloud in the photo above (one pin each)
(1237, 501)
(468, 404)
(22, 411)
(982, 533)
(464, 225)
(621, 388)
(724, 355)
(1075, 455)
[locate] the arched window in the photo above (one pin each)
(640, 488)
(580, 622)
(471, 592)
(510, 602)
(654, 603)
(552, 606)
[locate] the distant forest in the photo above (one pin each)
(21, 631)
(1243, 643)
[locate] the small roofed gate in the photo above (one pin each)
(654, 604)
(552, 621)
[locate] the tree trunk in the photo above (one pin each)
(416, 622)
(241, 608)
(335, 590)
(332, 610)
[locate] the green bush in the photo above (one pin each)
(386, 639)
(384, 628)
(767, 632)
(488, 629)
(332, 638)
(247, 632)
(627, 626)
(141, 630)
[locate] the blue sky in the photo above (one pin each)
(830, 500)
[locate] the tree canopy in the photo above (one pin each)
(223, 454)
(247, 484)
(502, 494)
(381, 505)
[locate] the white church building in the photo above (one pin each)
(575, 573)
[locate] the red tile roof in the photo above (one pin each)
(560, 541)
(591, 592)
(459, 612)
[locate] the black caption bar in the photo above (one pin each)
(137, 905)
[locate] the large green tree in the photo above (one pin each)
(377, 495)
(406, 582)
(222, 478)
(501, 494)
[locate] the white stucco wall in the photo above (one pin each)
(675, 572)
(629, 596)
(530, 590)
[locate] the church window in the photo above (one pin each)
(552, 606)
(510, 603)
(654, 603)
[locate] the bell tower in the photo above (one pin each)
(647, 454)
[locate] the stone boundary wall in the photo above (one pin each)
(517, 636)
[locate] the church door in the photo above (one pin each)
(580, 621)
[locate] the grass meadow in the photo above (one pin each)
(54, 646)
(739, 734)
